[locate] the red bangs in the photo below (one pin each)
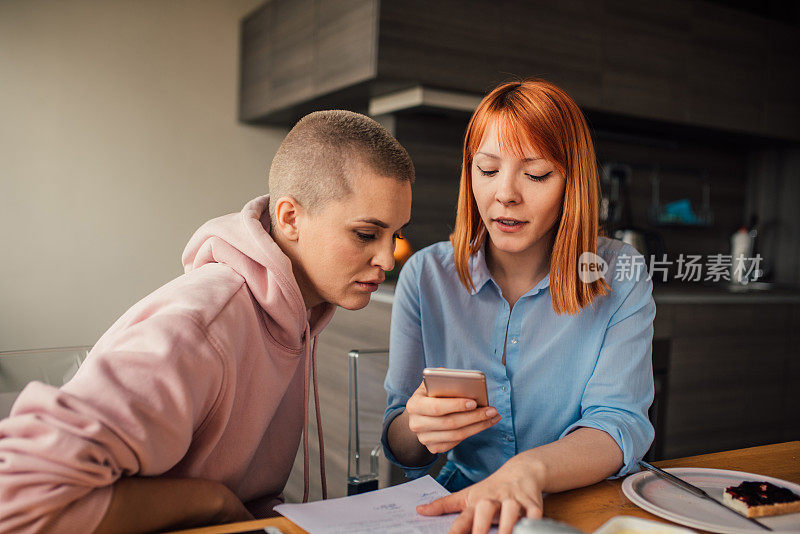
(523, 127)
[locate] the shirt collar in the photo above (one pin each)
(479, 270)
(481, 275)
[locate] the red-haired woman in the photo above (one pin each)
(519, 294)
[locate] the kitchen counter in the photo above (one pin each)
(688, 293)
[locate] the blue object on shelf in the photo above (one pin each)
(679, 211)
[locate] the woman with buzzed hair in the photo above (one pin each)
(190, 408)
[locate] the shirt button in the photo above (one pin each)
(508, 437)
(503, 389)
(513, 341)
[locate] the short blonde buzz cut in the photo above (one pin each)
(319, 153)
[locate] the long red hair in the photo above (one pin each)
(536, 114)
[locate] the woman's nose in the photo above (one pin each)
(384, 257)
(507, 192)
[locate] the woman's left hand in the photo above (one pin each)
(512, 491)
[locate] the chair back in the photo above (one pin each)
(52, 366)
(367, 402)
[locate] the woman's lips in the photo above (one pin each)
(367, 286)
(508, 226)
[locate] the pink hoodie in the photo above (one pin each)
(203, 378)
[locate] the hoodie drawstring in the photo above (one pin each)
(311, 366)
(319, 423)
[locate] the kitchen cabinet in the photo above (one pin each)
(297, 51)
(732, 374)
(791, 408)
(682, 62)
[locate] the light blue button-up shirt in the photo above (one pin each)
(593, 369)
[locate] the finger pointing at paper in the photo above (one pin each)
(512, 491)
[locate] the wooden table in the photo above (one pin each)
(588, 508)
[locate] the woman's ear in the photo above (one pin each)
(287, 212)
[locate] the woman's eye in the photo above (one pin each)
(536, 178)
(365, 237)
(486, 173)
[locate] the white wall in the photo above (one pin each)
(118, 138)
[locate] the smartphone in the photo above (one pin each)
(462, 383)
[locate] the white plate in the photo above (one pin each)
(663, 499)
(625, 523)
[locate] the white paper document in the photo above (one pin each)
(391, 510)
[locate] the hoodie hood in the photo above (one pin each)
(242, 242)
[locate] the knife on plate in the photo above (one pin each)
(695, 491)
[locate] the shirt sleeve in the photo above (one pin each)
(620, 389)
(406, 357)
(132, 408)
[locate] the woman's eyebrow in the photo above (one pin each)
(524, 160)
(378, 222)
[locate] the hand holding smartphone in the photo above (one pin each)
(448, 407)
(460, 383)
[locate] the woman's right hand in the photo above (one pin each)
(442, 423)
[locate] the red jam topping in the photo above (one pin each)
(761, 493)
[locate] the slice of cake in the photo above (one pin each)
(759, 499)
